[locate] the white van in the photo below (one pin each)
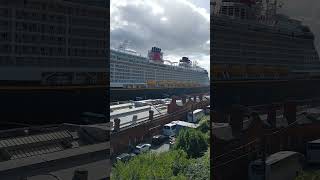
(283, 165)
(169, 129)
(173, 128)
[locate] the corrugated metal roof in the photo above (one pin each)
(186, 124)
(273, 158)
(128, 111)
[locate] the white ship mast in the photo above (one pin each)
(123, 45)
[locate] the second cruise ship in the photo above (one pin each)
(260, 56)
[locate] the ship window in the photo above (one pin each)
(243, 13)
(230, 11)
(237, 11)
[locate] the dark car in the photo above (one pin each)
(124, 157)
(159, 139)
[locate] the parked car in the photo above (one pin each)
(159, 139)
(124, 157)
(142, 148)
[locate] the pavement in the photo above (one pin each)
(162, 148)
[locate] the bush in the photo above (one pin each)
(168, 165)
(199, 169)
(176, 164)
(204, 124)
(192, 141)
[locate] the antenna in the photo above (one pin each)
(124, 45)
(195, 63)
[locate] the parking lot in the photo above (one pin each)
(162, 148)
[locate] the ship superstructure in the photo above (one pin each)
(53, 42)
(130, 70)
(53, 63)
(252, 41)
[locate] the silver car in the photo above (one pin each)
(140, 148)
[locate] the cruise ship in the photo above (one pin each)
(260, 56)
(133, 75)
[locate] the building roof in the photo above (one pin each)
(222, 131)
(186, 124)
(43, 153)
(317, 141)
(273, 158)
(120, 106)
(142, 113)
(197, 110)
(128, 111)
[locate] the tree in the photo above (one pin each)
(192, 141)
(199, 169)
(168, 165)
(204, 124)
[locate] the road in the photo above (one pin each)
(162, 148)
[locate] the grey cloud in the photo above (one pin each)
(184, 33)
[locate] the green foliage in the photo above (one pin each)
(168, 165)
(204, 124)
(205, 118)
(314, 175)
(192, 141)
(176, 164)
(199, 169)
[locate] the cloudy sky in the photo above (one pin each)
(306, 10)
(178, 27)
